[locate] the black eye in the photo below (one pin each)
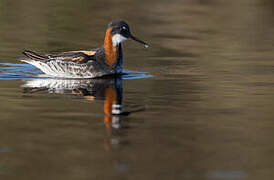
(123, 30)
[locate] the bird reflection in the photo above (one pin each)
(108, 89)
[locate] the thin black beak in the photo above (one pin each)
(138, 40)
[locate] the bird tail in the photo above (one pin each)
(34, 56)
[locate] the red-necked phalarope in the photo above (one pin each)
(90, 63)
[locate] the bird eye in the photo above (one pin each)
(124, 27)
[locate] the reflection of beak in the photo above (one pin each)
(138, 40)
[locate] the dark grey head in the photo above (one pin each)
(120, 32)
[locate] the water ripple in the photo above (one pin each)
(10, 71)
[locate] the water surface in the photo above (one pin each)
(204, 112)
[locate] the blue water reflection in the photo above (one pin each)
(227, 174)
(10, 71)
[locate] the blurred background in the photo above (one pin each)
(208, 105)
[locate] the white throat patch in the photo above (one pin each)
(117, 39)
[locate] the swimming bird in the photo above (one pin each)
(91, 63)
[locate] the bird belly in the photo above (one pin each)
(64, 69)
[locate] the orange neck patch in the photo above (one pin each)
(111, 52)
(110, 99)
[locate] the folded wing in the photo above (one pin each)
(78, 57)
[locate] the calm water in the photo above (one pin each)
(202, 109)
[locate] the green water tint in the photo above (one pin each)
(208, 109)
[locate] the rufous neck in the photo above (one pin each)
(111, 52)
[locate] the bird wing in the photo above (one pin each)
(72, 56)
